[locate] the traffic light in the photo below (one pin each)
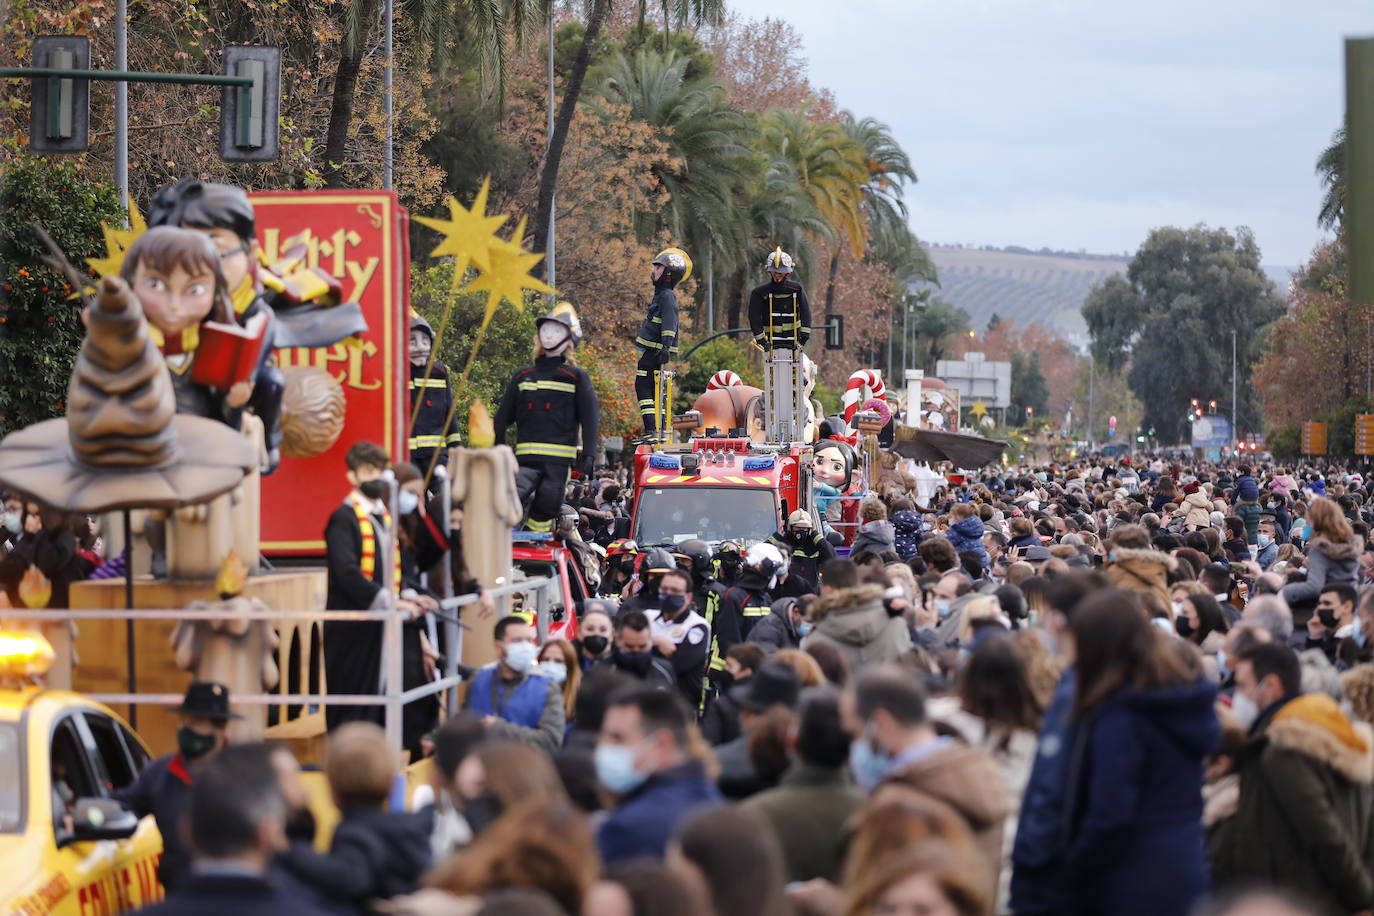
(60, 109)
(834, 334)
(249, 115)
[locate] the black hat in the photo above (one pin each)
(1036, 554)
(774, 682)
(206, 700)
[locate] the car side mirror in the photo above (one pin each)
(101, 819)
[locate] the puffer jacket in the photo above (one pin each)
(876, 537)
(1196, 510)
(907, 529)
(1144, 571)
(967, 534)
(854, 622)
(1327, 564)
(1306, 807)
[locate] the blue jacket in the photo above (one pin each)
(1039, 880)
(648, 816)
(1246, 489)
(967, 534)
(523, 706)
(160, 790)
(907, 528)
(1136, 842)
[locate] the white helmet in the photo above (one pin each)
(764, 557)
(779, 262)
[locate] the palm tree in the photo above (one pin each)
(699, 11)
(1331, 169)
(830, 166)
(884, 208)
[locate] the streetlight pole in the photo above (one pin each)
(1235, 430)
(549, 243)
(121, 163)
(389, 159)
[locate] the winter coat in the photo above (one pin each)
(808, 812)
(967, 534)
(232, 895)
(1306, 807)
(966, 781)
(1248, 511)
(775, 631)
(854, 621)
(1327, 564)
(648, 816)
(374, 855)
(1195, 510)
(1023, 540)
(874, 537)
(907, 527)
(1135, 807)
(1246, 489)
(1039, 882)
(1144, 571)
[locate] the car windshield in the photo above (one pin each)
(671, 515)
(11, 813)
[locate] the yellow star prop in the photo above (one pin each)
(978, 409)
(117, 241)
(508, 274)
(469, 234)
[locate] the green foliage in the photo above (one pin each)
(831, 399)
(1331, 170)
(1285, 443)
(507, 347)
(934, 324)
(1172, 317)
(1340, 426)
(40, 328)
(1028, 385)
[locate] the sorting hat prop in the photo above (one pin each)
(122, 444)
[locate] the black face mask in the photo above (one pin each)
(1184, 627)
(595, 645)
(672, 605)
(1327, 616)
(637, 663)
(373, 489)
(479, 812)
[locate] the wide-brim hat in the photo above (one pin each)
(774, 683)
(206, 700)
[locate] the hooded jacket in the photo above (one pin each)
(1327, 564)
(967, 781)
(875, 536)
(967, 534)
(1196, 510)
(1306, 807)
(775, 631)
(907, 531)
(1142, 570)
(374, 855)
(1135, 803)
(856, 623)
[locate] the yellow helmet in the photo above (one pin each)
(563, 313)
(677, 266)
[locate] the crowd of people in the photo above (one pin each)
(1080, 689)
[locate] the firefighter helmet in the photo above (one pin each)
(694, 555)
(563, 313)
(657, 560)
(677, 266)
(764, 557)
(418, 323)
(779, 262)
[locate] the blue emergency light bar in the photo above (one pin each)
(539, 536)
(763, 463)
(665, 462)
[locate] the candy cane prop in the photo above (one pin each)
(724, 379)
(862, 385)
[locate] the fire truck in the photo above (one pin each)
(718, 488)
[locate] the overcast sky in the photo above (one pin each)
(1079, 124)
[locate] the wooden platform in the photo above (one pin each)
(101, 644)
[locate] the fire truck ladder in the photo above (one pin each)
(782, 415)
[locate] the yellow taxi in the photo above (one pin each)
(66, 845)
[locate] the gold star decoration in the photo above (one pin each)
(507, 275)
(117, 241)
(978, 409)
(469, 234)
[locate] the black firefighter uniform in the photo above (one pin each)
(435, 400)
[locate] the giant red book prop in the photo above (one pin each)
(228, 353)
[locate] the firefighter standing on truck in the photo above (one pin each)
(431, 392)
(657, 336)
(779, 313)
(548, 403)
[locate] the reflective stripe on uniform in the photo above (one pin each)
(542, 527)
(640, 341)
(455, 439)
(428, 383)
(756, 610)
(415, 442)
(543, 385)
(547, 449)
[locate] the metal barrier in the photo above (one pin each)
(393, 697)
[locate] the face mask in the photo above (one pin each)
(11, 521)
(554, 671)
(615, 768)
(1327, 616)
(867, 765)
(595, 645)
(373, 489)
(192, 744)
(479, 812)
(520, 656)
(1244, 709)
(407, 502)
(943, 606)
(804, 628)
(1264, 541)
(1183, 626)
(637, 663)
(672, 605)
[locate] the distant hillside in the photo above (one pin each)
(1032, 287)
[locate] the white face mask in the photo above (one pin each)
(407, 502)
(11, 521)
(554, 671)
(1244, 709)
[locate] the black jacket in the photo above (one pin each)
(658, 331)
(426, 433)
(232, 895)
(160, 790)
(779, 315)
(744, 604)
(809, 551)
(775, 631)
(548, 403)
(375, 855)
